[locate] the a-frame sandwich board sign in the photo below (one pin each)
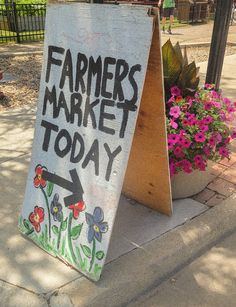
(95, 62)
(147, 177)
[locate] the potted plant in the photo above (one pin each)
(198, 125)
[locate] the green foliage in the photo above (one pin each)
(86, 250)
(177, 71)
(55, 230)
(24, 7)
(100, 255)
(75, 231)
(50, 186)
(64, 225)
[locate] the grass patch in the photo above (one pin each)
(9, 36)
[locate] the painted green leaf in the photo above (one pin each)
(86, 250)
(75, 231)
(64, 225)
(55, 230)
(100, 255)
(50, 186)
(27, 224)
(97, 269)
(84, 265)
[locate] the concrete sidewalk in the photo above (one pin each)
(140, 259)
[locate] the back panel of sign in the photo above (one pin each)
(95, 60)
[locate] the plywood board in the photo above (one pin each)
(95, 60)
(147, 176)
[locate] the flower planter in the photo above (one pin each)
(185, 185)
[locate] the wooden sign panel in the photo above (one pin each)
(147, 176)
(95, 60)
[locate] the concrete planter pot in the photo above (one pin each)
(185, 185)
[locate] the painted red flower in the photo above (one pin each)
(38, 179)
(37, 217)
(77, 208)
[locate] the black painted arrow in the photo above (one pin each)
(73, 186)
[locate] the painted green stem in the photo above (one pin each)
(49, 216)
(29, 232)
(69, 237)
(93, 254)
(79, 256)
(59, 235)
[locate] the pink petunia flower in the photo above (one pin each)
(181, 139)
(178, 152)
(214, 94)
(227, 102)
(175, 91)
(200, 137)
(190, 116)
(173, 138)
(192, 122)
(207, 151)
(207, 120)
(203, 128)
(171, 101)
(198, 159)
(212, 141)
(170, 145)
(231, 109)
(216, 104)
(218, 137)
(187, 166)
(172, 168)
(224, 152)
(222, 115)
(209, 86)
(175, 111)
(189, 101)
(233, 133)
(201, 166)
(207, 106)
(185, 143)
(173, 124)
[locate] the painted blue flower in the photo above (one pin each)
(96, 225)
(56, 208)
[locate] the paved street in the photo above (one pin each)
(209, 281)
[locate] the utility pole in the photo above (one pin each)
(218, 41)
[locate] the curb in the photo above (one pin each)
(127, 278)
(202, 44)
